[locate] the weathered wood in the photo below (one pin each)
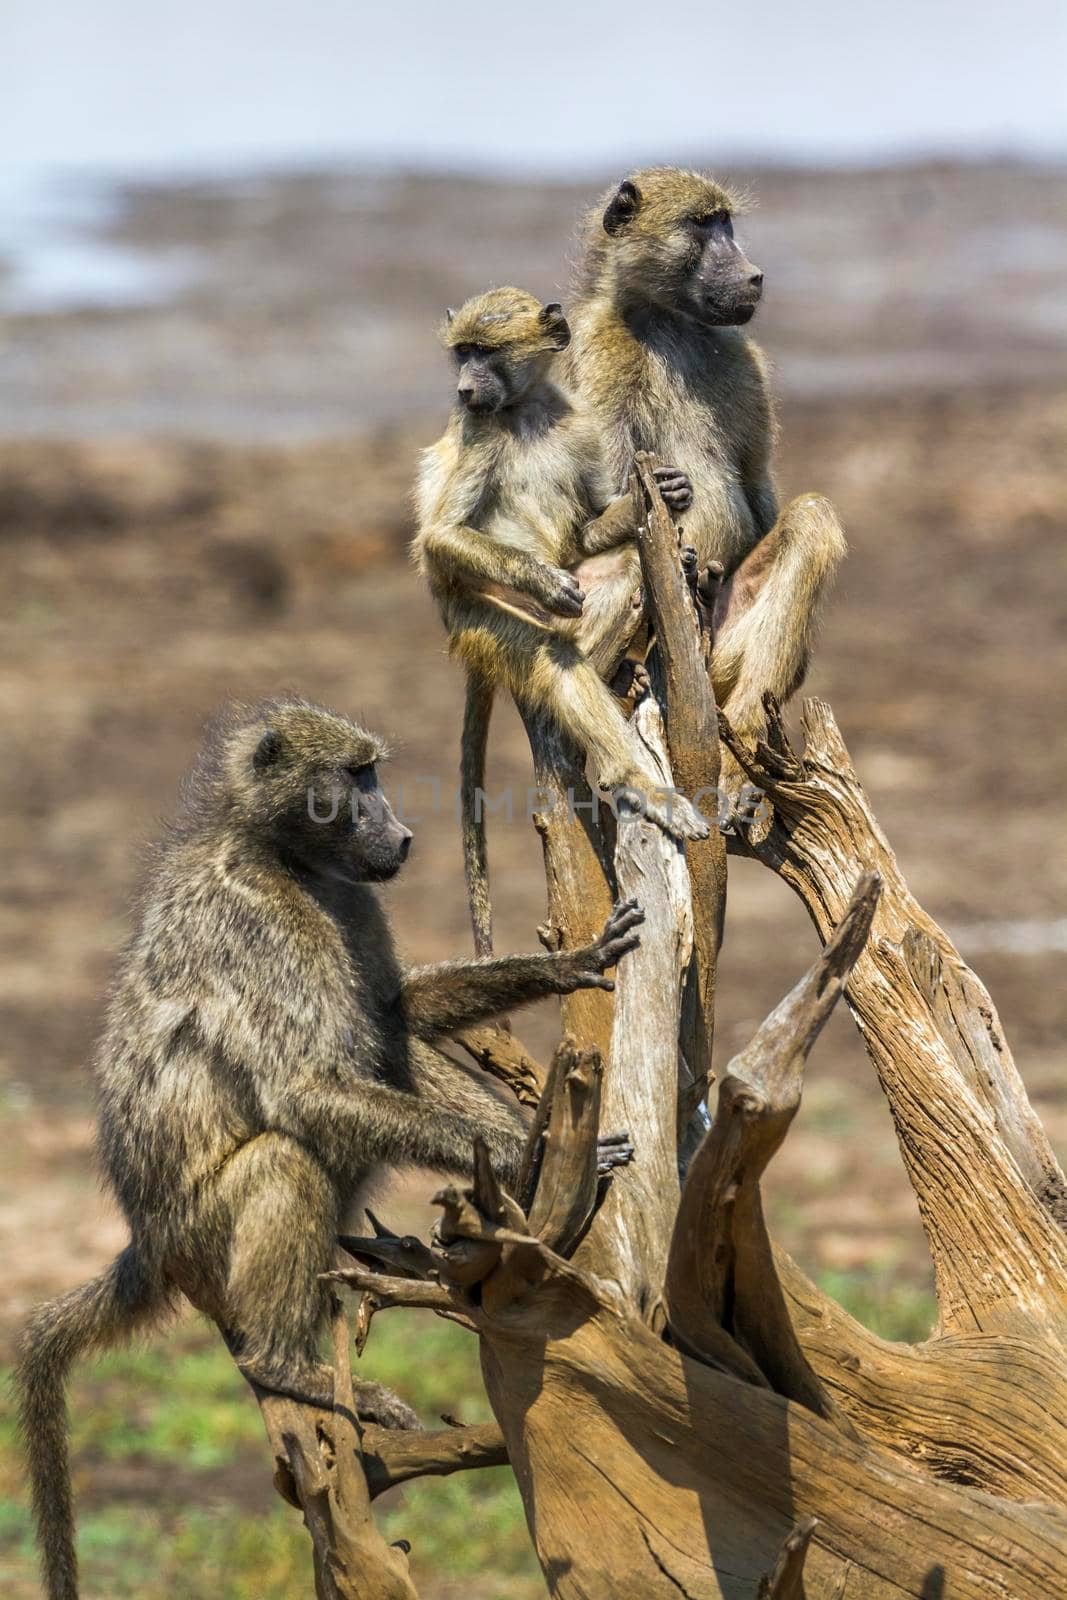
(640, 1089)
(391, 1457)
(318, 1465)
(988, 1187)
(578, 870)
(685, 1446)
(645, 1472)
(786, 1582)
(720, 1277)
(497, 1051)
(975, 1409)
(684, 1412)
(693, 746)
(566, 1192)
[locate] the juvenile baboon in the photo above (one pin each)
(659, 359)
(264, 1051)
(516, 493)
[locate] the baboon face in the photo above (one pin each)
(673, 244)
(503, 343)
(311, 784)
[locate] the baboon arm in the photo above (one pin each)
(379, 1124)
(614, 525)
(478, 558)
(452, 994)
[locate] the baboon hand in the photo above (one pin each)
(709, 582)
(562, 593)
(675, 487)
(613, 1150)
(617, 940)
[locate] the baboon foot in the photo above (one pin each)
(310, 1385)
(674, 814)
(706, 589)
(631, 682)
(376, 1403)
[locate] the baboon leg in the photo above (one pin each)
(282, 1212)
(768, 611)
(576, 695)
(613, 610)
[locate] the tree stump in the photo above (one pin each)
(685, 1413)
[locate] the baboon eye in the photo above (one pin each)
(362, 775)
(712, 219)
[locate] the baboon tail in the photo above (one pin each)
(92, 1317)
(476, 714)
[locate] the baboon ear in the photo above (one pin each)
(450, 312)
(268, 751)
(555, 324)
(624, 205)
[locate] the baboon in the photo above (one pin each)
(515, 494)
(659, 360)
(264, 1051)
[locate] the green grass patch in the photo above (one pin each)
(177, 1417)
(175, 1412)
(890, 1308)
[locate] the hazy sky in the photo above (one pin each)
(549, 84)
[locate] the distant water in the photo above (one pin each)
(55, 254)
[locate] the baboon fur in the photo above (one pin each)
(658, 358)
(531, 559)
(264, 1052)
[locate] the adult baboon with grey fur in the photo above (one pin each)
(659, 360)
(264, 1051)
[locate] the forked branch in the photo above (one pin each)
(721, 1287)
(989, 1189)
(318, 1467)
(567, 1185)
(681, 670)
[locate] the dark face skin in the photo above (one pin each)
(493, 377)
(379, 842)
(483, 384)
(690, 264)
(332, 820)
(724, 288)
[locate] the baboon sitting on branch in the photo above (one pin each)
(264, 1051)
(512, 498)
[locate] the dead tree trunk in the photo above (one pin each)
(685, 1414)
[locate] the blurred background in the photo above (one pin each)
(227, 233)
